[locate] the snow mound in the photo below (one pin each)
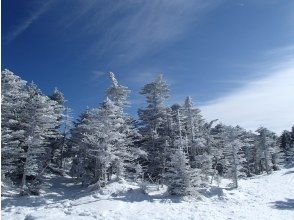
(114, 188)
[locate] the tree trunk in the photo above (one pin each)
(235, 166)
(23, 183)
(265, 151)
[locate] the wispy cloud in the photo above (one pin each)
(133, 28)
(142, 77)
(266, 101)
(26, 23)
(98, 73)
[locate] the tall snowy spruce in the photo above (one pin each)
(198, 139)
(219, 141)
(267, 153)
(105, 138)
(153, 125)
(131, 152)
(78, 147)
(228, 152)
(65, 140)
(247, 139)
(286, 142)
(56, 141)
(95, 159)
(40, 119)
(234, 156)
(14, 96)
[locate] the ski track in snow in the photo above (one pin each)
(260, 197)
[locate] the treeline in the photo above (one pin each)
(172, 145)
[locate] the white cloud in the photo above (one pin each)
(98, 73)
(143, 26)
(267, 101)
(26, 23)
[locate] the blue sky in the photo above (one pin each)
(235, 58)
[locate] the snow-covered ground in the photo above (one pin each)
(261, 197)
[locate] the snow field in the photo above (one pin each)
(261, 197)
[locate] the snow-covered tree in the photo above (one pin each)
(227, 151)
(176, 135)
(220, 140)
(104, 145)
(199, 140)
(286, 142)
(78, 146)
(194, 120)
(267, 152)
(119, 94)
(39, 118)
(13, 100)
(67, 124)
(55, 141)
(180, 177)
(234, 156)
(153, 126)
(248, 139)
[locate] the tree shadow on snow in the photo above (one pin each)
(289, 172)
(284, 205)
(214, 191)
(138, 195)
(58, 190)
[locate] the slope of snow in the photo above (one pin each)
(261, 197)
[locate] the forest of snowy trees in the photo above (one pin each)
(171, 145)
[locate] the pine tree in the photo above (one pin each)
(78, 146)
(130, 152)
(102, 147)
(220, 140)
(117, 93)
(67, 124)
(14, 96)
(180, 177)
(56, 142)
(233, 155)
(199, 140)
(267, 153)
(40, 118)
(286, 142)
(93, 156)
(153, 127)
(248, 139)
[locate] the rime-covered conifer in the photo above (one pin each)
(13, 100)
(153, 125)
(39, 119)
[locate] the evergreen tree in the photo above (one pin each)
(78, 146)
(220, 140)
(103, 149)
(180, 177)
(199, 141)
(248, 139)
(266, 154)
(153, 127)
(14, 96)
(55, 142)
(39, 119)
(131, 152)
(234, 156)
(67, 124)
(287, 146)
(117, 93)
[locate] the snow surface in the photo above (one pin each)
(261, 197)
